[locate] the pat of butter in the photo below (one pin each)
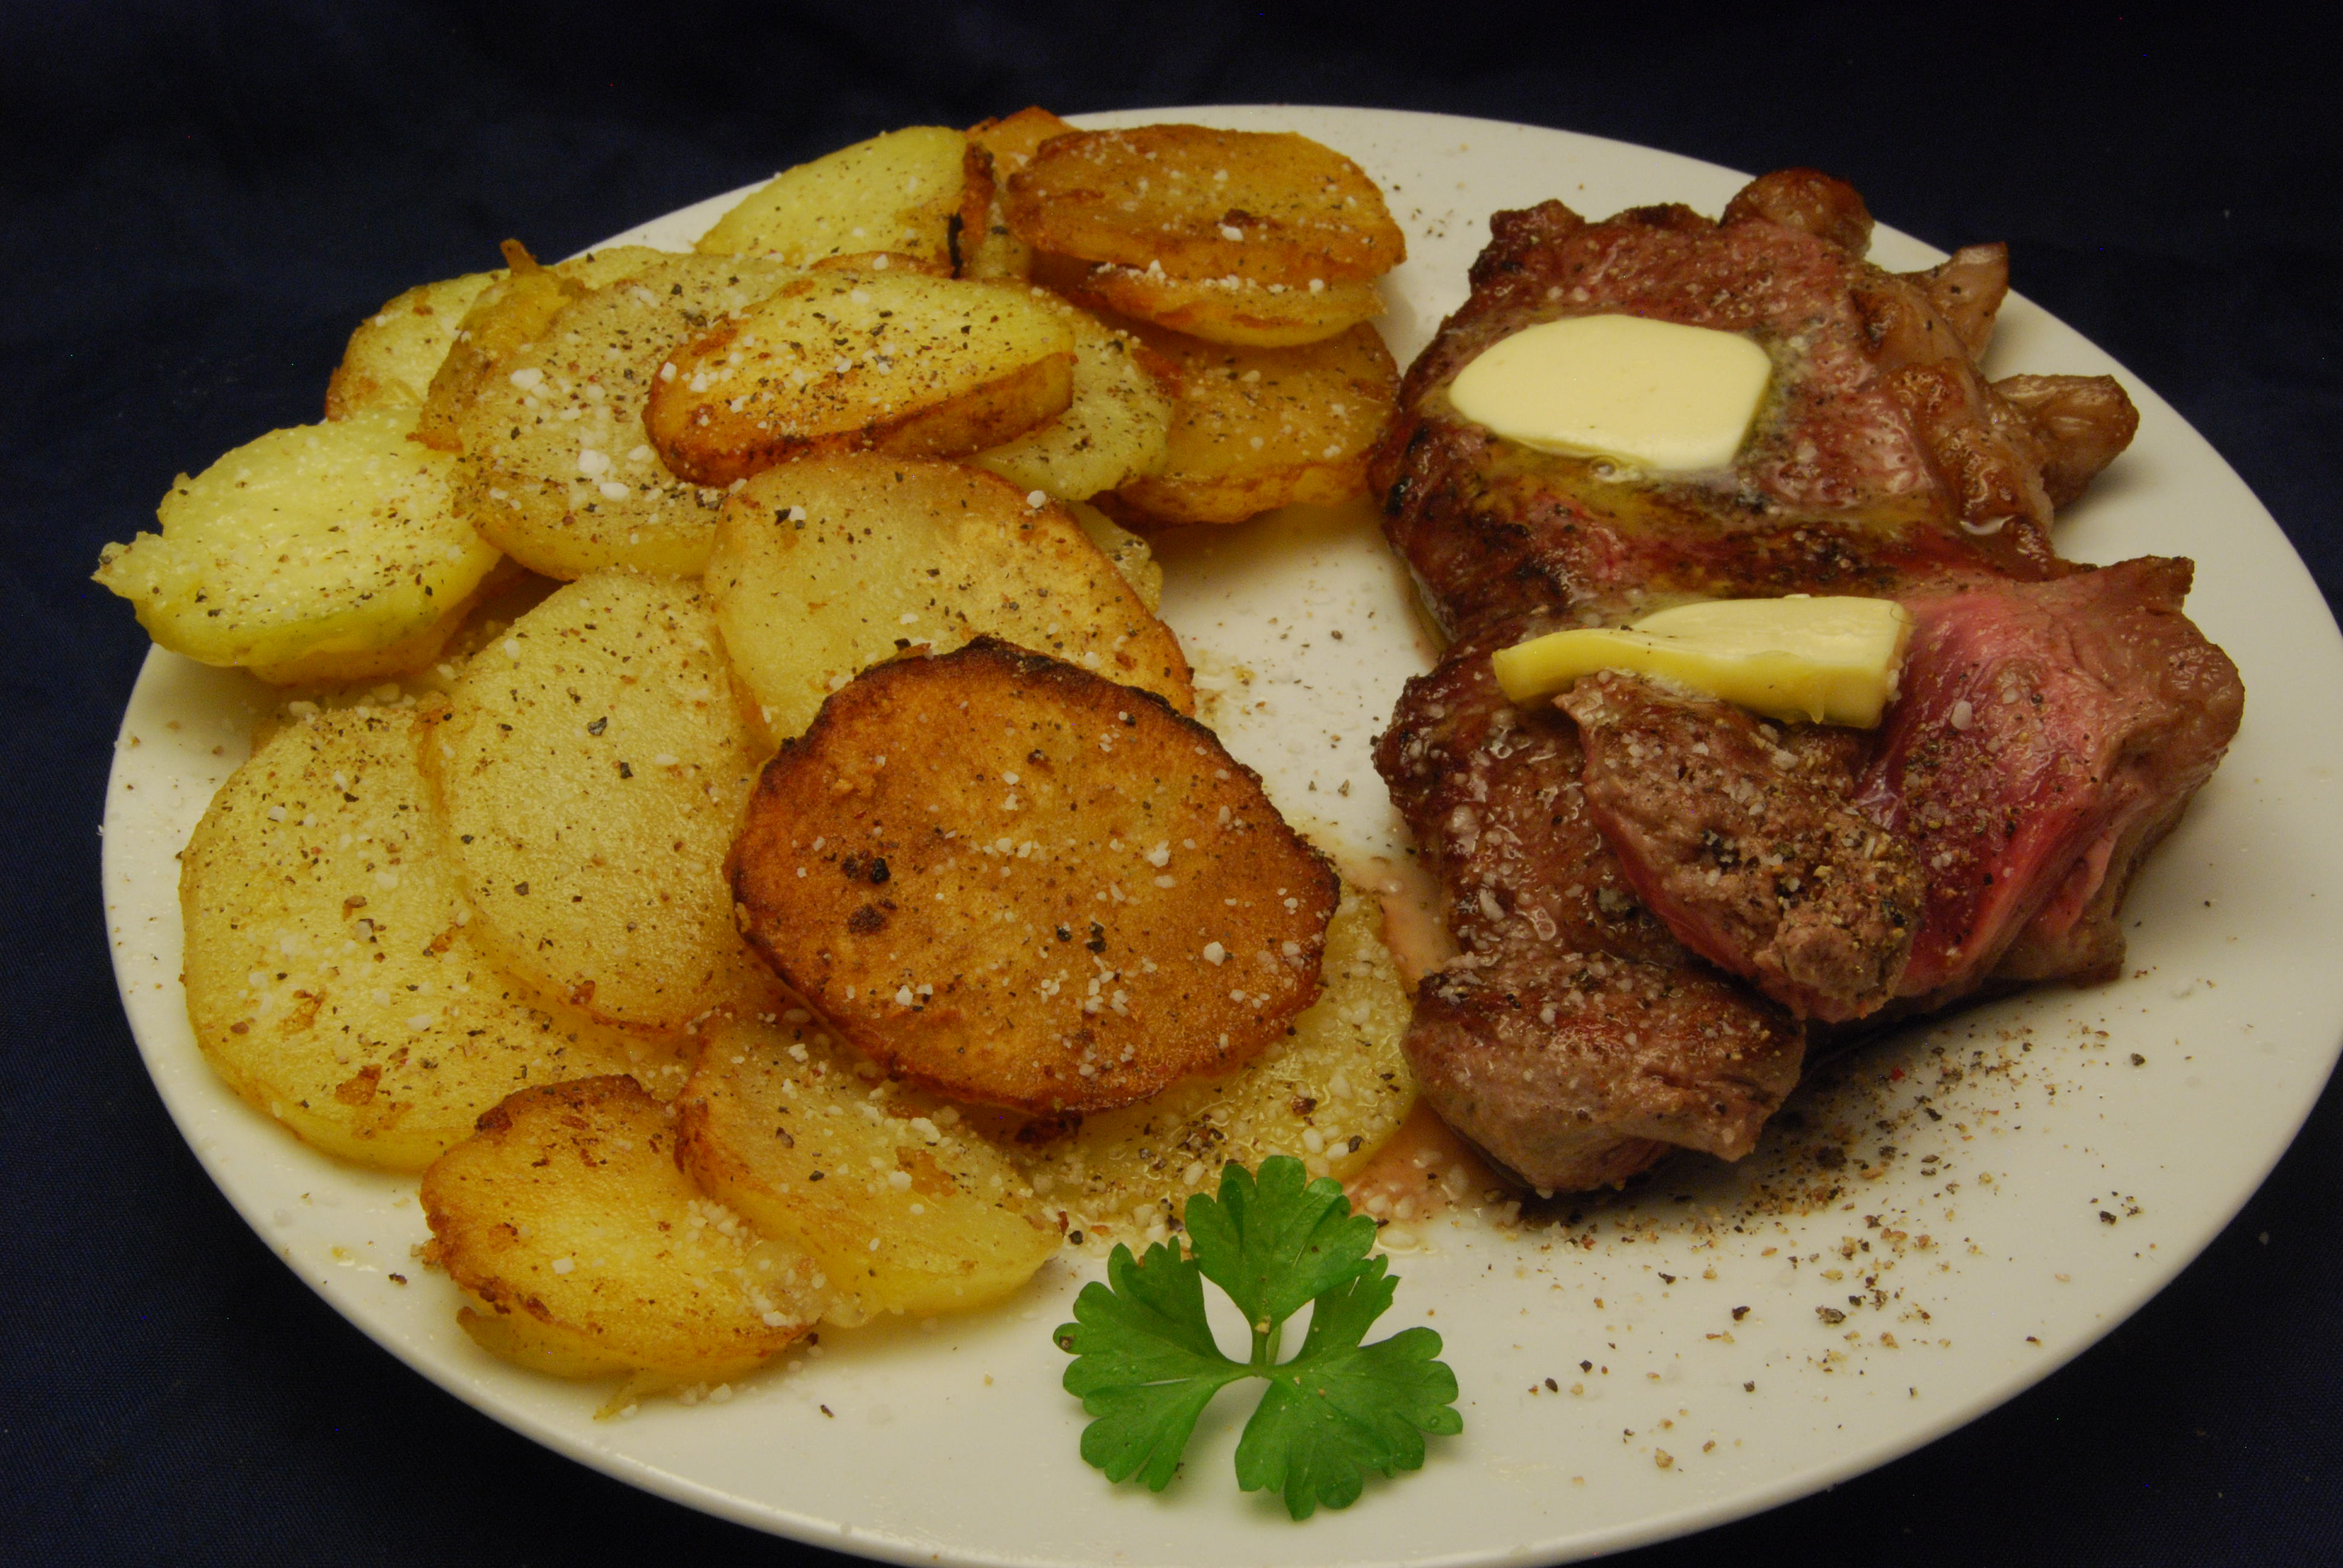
(1653, 394)
(1826, 660)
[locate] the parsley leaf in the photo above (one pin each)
(1145, 1365)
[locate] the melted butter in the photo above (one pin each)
(1654, 395)
(1831, 660)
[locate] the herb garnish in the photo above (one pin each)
(1145, 1364)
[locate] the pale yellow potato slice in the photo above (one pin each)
(1132, 555)
(847, 360)
(394, 353)
(899, 192)
(827, 566)
(1115, 430)
(1256, 429)
(996, 150)
(591, 771)
(904, 1209)
(582, 1250)
(333, 540)
(558, 472)
(1330, 1094)
(331, 978)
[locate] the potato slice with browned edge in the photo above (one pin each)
(1330, 1093)
(1131, 555)
(1268, 205)
(331, 978)
(1115, 430)
(905, 1210)
(558, 471)
(827, 566)
(591, 771)
(996, 150)
(1256, 429)
(1025, 886)
(332, 545)
(896, 193)
(581, 1250)
(1226, 309)
(393, 355)
(844, 360)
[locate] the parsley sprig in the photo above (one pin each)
(1145, 1365)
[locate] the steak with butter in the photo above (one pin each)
(1655, 897)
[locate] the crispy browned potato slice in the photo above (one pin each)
(1330, 1093)
(905, 1210)
(583, 1250)
(996, 150)
(1115, 430)
(1253, 428)
(899, 192)
(843, 360)
(394, 353)
(1226, 309)
(1271, 206)
(336, 547)
(1025, 886)
(558, 472)
(827, 566)
(591, 771)
(331, 978)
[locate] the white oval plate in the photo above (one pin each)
(2090, 1143)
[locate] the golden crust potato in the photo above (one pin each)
(394, 353)
(331, 978)
(903, 1208)
(583, 1250)
(899, 192)
(590, 772)
(996, 150)
(1115, 430)
(847, 361)
(1022, 885)
(1271, 206)
(323, 541)
(1227, 309)
(1330, 1093)
(558, 471)
(827, 566)
(1254, 429)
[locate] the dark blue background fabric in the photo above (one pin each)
(198, 201)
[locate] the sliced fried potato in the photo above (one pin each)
(827, 566)
(337, 538)
(330, 977)
(903, 1208)
(394, 352)
(1330, 1093)
(1271, 206)
(899, 192)
(591, 770)
(1254, 429)
(996, 150)
(583, 1250)
(1226, 309)
(1132, 558)
(1076, 899)
(558, 470)
(845, 360)
(1115, 430)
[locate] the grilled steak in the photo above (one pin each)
(1653, 894)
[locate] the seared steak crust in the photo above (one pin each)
(1572, 1038)
(2054, 721)
(1741, 835)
